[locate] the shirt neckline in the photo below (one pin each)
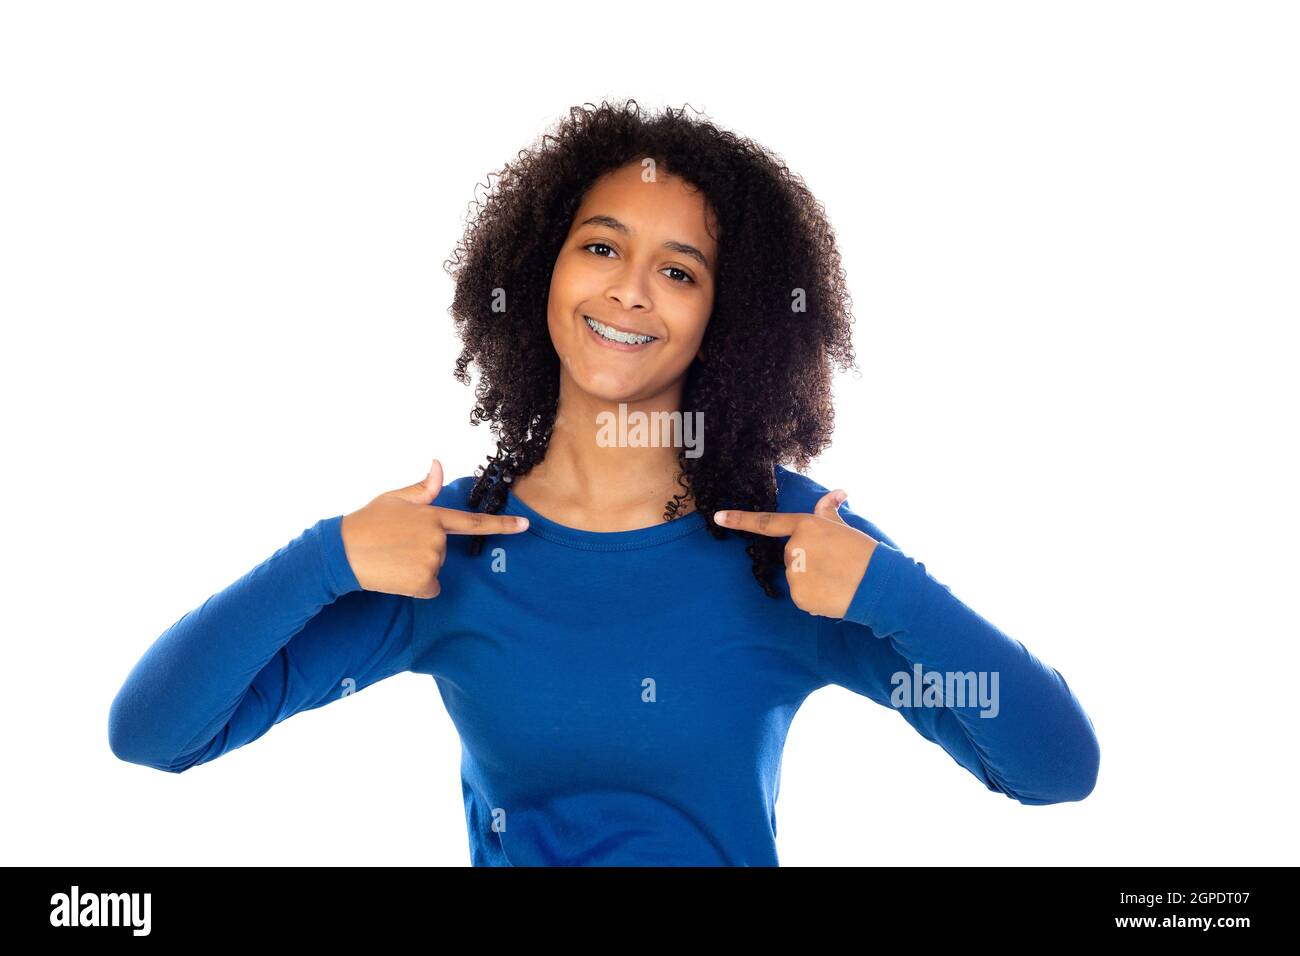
(630, 540)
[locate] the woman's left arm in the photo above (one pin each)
(890, 631)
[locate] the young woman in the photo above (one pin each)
(623, 664)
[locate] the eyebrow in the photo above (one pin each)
(684, 248)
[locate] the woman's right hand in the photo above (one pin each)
(397, 543)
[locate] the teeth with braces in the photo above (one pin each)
(614, 335)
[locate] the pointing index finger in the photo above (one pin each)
(477, 522)
(774, 524)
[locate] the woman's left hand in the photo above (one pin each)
(825, 558)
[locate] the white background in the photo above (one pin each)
(1070, 232)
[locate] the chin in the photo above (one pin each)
(611, 391)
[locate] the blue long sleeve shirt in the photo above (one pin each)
(622, 698)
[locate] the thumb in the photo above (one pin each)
(424, 492)
(829, 505)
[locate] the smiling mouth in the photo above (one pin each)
(617, 336)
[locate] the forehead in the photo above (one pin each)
(667, 207)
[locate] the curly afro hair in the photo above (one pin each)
(781, 311)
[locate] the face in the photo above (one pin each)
(639, 260)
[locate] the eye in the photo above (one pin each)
(684, 281)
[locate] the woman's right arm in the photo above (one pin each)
(318, 620)
(294, 633)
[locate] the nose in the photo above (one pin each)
(630, 293)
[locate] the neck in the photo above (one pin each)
(593, 474)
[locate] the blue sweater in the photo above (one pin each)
(622, 698)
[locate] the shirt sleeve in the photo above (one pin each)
(293, 634)
(1026, 736)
